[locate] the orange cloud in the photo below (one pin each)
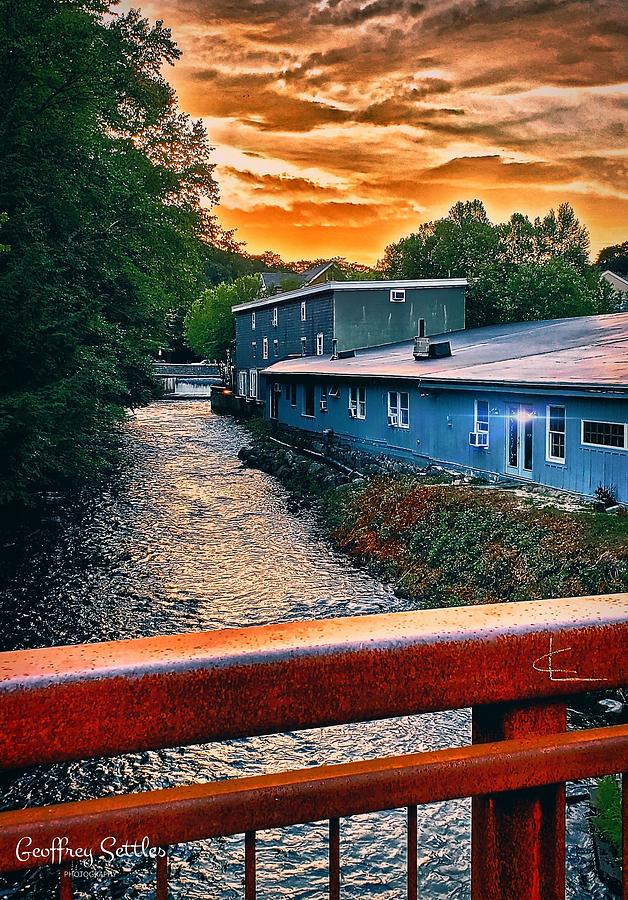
(342, 124)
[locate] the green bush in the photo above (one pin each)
(608, 811)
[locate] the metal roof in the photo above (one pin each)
(274, 279)
(588, 352)
(347, 286)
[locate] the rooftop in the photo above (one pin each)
(589, 352)
(348, 286)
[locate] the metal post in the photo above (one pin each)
(518, 838)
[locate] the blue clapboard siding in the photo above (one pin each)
(440, 422)
(288, 331)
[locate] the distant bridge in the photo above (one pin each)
(187, 379)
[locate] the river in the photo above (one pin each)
(186, 540)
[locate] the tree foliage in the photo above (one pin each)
(615, 259)
(517, 270)
(210, 324)
(101, 183)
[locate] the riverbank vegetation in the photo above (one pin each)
(455, 545)
(443, 540)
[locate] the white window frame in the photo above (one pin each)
(397, 295)
(549, 432)
(584, 443)
(293, 395)
(253, 384)
(482, 424)
(395, 408)
(276, 347)
(252, 321)
(265, 348)
(275, 316)
(242, 382)
(303, 311)
(357, 402)
(254, 349)
(320, 343)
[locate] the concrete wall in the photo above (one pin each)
(367, 318)
(440, 422)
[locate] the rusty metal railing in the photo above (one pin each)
(515, 665)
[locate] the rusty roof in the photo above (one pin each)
(589, 352)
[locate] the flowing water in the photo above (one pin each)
(190, 540)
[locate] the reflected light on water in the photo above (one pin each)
(190, 540)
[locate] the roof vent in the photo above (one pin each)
(426, 349)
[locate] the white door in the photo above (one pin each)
(519, 439)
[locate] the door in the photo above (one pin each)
(519, 439)
(275, 392)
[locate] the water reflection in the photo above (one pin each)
(189, 540)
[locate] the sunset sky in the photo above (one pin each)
(340, 125)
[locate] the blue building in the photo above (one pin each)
(543, 402)
(333, 317)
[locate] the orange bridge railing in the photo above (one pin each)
(514, 664)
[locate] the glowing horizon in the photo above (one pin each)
(340, 125)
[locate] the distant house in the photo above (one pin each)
(327, 271)
(619, 285)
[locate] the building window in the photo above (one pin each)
(303, 311)
(253, 384)
(555, 420)
(242, 384)
(252, 321)
(323, 403)
(399, 409)
(254, 349)
(398, 295)
(275, 316)
(480, 422)
(320, 343)
(265, 348)
(303, 346)
(308, 401)
(293, 394)
(357, 402)
(276, 347)
(605, 434)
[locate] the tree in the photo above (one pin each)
(615, 259)
(101, 179)
(517, 270)
(210, 324)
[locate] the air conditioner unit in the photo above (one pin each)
(323, 405)
(334, 391)
(393, 419)
(478, 438)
